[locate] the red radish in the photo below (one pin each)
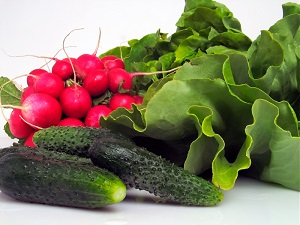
(111, 62)
(26, 92)
(63, 69)
(96, 82)
(17, 126)
(121, 100)
(71, 122)
(119, 78)
(49, 83)
(35, 72)
(86, 63)
(72, 62)
(41, 110)
(93, 116)
(138, 99)
(75, 101)
(29, 141)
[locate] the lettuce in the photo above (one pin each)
(233, 106)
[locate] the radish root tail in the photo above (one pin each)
(64, 49)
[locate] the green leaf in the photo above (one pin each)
(10, 94)
(232, 106)
(200, 15)
(141, 49)
(7, 131)
(204, 148)
(189, 48)
(290, 8)
(170, 44)
(274, 59)
(121, 51)
(275, 153)
(232, 40)
(193, 4)
(206, 66)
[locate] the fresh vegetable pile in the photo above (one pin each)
(208, 99)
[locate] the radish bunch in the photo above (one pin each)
(69, 94)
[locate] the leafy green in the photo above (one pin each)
(10, 94)
(237, 101)
(274, 151)
(277, 73)
(202, 25)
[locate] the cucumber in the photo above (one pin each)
(39, 176)
(71, 140)
(142, 169)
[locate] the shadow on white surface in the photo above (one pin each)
(249, 202)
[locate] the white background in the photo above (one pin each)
(39, 27)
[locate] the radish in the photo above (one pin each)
(29, 141)
(41, 110)
(49, 83)
(111, 62)
(26, 92)
(119, 78)
(71, 122)
(63, 69)
(121, 100)
(93, 116)
(72, 62)
(17, 126)
(75, 101)
(36, 73)
(86, 63)
(96, 82)
(138, 99)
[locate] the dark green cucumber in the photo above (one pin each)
(53, 178)
(142, 169)
(71, 140)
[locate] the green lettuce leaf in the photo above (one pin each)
(274, 59)
(274, 152)
(232, 107)
(200, 15)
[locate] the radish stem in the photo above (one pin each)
(64, 49)
(156, 72)
(98, 43)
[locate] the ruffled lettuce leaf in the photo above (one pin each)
(278, 72)
(233, 105)
(274, 152)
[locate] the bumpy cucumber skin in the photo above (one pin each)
(71, 140)
(144, 170)
(38, 176)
